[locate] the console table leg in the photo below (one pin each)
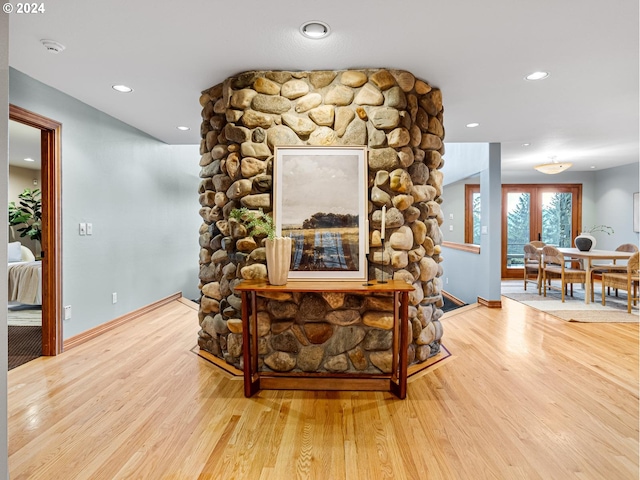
(404, 344)
(251, 386)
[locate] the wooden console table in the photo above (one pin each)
(254, 379)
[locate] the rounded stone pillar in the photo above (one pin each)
(399, 119)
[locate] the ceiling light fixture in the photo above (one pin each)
(29, 160)
(526, 144)
(122, 88)
(183, 128)
(537, 76)
(473, 125)
(315, 29)
(553, 167)
(52, 46)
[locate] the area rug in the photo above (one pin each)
(573, 309)
(25, 344)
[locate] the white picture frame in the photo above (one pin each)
(320, 200)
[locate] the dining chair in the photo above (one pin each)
(532, 266)
(554, 267)
(537, 243)
(598, 269)
(627, 280)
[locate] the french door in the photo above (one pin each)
(546, 212)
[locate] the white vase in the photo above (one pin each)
(278, 259)
(585, 242)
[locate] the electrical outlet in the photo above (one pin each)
(67, 312)
(451, 216)
(446, 281)
(114, 297)
(83, 229)
(89, 228)
(451, 228)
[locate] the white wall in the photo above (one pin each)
(468, 276)
(20, 179)
(140, 195)
(463, 160)
(454, 204)
(4, 175)
(614, 190)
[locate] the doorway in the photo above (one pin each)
(546, 212)
(51, 226)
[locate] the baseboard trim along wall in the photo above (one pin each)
(453, 298)
(116, 322)
(490, 303)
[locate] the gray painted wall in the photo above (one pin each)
(140, 195)
(4, 176)
(614, 190)
(468, 276)
(453, 204)
(463, 160)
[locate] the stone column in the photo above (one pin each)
(399, 119)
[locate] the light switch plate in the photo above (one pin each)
(83, 229)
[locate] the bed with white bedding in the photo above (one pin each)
(25, 276)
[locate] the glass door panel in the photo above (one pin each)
(557, 210)
(518, 227)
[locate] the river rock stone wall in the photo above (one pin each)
(399, 119)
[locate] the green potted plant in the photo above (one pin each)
(277, 249)
(27, 216)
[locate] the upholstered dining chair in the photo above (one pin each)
(554, 267)
(627, 280)
(532, 270)
(598, 269)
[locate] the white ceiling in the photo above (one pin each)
(586, 111)
(24, 142)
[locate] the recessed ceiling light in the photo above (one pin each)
(122, 88)
(537, 76)
(29, 160)
(526, 144)
(315, 29)
(472, 125)
(183, 128)
(592, 166)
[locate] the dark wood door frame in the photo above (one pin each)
(51, 226)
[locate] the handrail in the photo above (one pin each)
(465, 247)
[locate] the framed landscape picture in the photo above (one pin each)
(320, 201)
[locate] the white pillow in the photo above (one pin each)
(27, 255)
(14, 253)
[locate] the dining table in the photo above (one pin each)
(588, 257)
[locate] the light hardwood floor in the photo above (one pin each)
(524, 396)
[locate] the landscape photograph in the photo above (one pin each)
(320, 205)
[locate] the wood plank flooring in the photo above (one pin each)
(524, 396)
